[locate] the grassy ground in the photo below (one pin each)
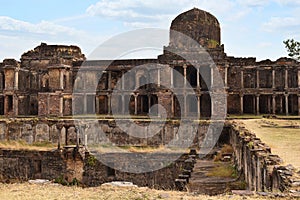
(18, 145)
(278, 134)
(54, 192)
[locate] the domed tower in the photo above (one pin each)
(199, 25)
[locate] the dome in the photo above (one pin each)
(199, 25)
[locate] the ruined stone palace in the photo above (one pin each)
(42, 82)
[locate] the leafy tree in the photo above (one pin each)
(293, 48)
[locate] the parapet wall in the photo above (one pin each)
(263, 170)
(97, 131)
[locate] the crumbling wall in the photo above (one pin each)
(262, 170)
(100, 132)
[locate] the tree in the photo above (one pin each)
(293, 48)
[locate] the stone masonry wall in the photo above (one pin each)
(263, 171)
(104, 132)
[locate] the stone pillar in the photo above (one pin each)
(242, 78)
(61, 106)
(1, 81)
(257, 104)
(109, 80)
(257, 78)
(97, 105)
(149, 102)
(16, 83)
(135, 104)
(286, 104)
(269, 104)
(172, 77)
(226, 76)
(59, 129)
(298, 104)
(212, 76)
(61, 79)
(16, 105)
(281, 104)
(254, 107)
(242, 104)
(185, 75)
(198, 78)
(274, 104)
(123, 104)
(273, 79)
(158, 76)
(299, 78)
(199, 106)
(109, 104)
(286, 85)
(123, 81)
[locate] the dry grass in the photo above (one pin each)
(136, 149)
(21, 145)
(55, 192)
(284, 141)
(223, 170)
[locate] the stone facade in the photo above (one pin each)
(42, 82)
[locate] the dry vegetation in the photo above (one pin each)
(56, 192)
(21, 145)
(283, 136)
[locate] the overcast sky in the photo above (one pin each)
(250, 28)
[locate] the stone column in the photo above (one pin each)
(97, 105)
(123, 104)
(274, 104)
(84, 103)
(269, 104)
(135, 104)
(59, 129)
(254, 107)
(257, 104)
(109, 104)
(298, 104)
(185, 75)
(61, 106)
(242, 104)
(172, 77)
(172, 106)
(281, 104)
(286, 104)
(199, 106)
(242, 78)
(61, 79)
(299, 78)
(16, 105)
(123, 80)
(16, 83)
(198, 78)
(212, 76)
(149, 102)
(226, 76)
(158, 76)
(286, 85)
(273, 78)
(109, 80)
(257, 78)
